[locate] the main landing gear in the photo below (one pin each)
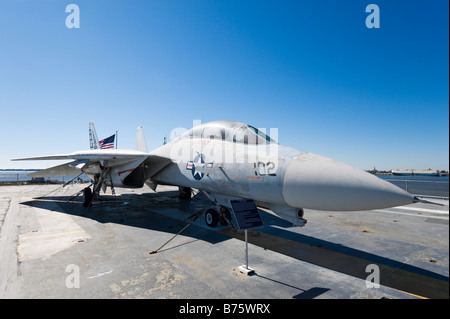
(99, 183)
(184, 193)
(87, 197)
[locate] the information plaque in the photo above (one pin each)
(246, 214)
(247, 217)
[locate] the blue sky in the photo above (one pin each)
(368, 97)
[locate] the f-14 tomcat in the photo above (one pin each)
(228, 160)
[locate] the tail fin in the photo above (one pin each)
(141, 145)
(93, 139)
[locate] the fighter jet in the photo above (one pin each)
(228, 160)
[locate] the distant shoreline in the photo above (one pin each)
(20, 169)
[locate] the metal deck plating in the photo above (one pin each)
(51, 248)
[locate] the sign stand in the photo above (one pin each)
(245, 269)
(247, 217)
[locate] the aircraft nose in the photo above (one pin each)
(317, 182)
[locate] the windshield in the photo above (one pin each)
(235, 132)
(261, 134)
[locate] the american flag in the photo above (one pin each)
(107, 142)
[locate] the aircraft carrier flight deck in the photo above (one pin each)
(53, 247)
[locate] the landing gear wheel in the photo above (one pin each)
(87, 197)
(184, 193)
(211, 217)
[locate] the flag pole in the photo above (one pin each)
(117, 138)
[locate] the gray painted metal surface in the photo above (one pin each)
(43, 241)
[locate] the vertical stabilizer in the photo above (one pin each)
(141, 145)
(93, 139)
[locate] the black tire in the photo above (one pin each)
(184, 193)
(87, 197)
(211, 217)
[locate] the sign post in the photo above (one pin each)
(247, 217)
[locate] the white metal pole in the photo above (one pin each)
(246, 249)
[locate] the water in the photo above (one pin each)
(416, 178)
(421, 185)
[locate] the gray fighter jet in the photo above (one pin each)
(228, 160)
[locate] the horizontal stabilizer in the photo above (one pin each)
(60, 170)
(48, 157)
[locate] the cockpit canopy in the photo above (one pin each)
(230, 131)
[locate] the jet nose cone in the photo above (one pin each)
(316, 182)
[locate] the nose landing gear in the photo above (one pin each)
(211, 217)
(220, 214)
